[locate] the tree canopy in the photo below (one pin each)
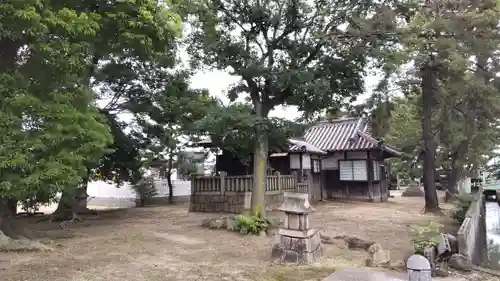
(286, 53)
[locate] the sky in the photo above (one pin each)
(218, 82)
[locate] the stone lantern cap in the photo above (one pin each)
(296, 203)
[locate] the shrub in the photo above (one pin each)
(426, 236)
(252, 224)
(145, 190)
(461, 203)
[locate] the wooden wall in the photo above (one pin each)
(369, 190)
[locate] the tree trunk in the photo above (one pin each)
(12, 205)
(428, 99)
(259, 164)
(169, 181)
(13, 237)
(453, 177)
(64, 209)
(72, 203)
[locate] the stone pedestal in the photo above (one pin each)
(297, 241)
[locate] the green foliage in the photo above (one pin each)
(48, 124)
(252, 224)
(145, 190)
(425, 236)
(186, 166)
(232, 128)
(461, 203)
(458, 42)
(168, 119)
(291, 47)
(121, 161)
(53, 136)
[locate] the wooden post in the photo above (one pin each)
(278, 178)
(222, 176)
(294, 174)
(193, 184)
(369, 173)
(419, 268)
(301, 178)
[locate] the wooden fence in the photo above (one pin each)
(223, 184)
(233, 193)
(303, 187)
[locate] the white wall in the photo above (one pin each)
(295, 161)
(105, 190)
(332, 161)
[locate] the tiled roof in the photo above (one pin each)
(347, 134)
(304, 146)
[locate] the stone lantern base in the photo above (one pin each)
(297, 246)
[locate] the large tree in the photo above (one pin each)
(286, 53)
(133, 39)
(448, 46)
(49, 126)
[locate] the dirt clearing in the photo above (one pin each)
(167, 243)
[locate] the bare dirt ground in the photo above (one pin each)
(167, 243)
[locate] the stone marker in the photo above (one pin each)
(419, 268)
(298, 242)
(430, 253)
(378, 256)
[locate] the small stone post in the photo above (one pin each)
(222, 176)
(419, 268)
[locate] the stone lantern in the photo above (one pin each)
(297, 241)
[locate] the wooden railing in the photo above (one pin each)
(302, 187)
(222, 184)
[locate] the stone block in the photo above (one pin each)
(378, 256)
(291, 256)
(304, 222)
(306, 258)
(300, 245)
(277, 253)
(293, 222)
(318, 253)
(285, 242)
(430, 253)
(460, 262)
(315, 241)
